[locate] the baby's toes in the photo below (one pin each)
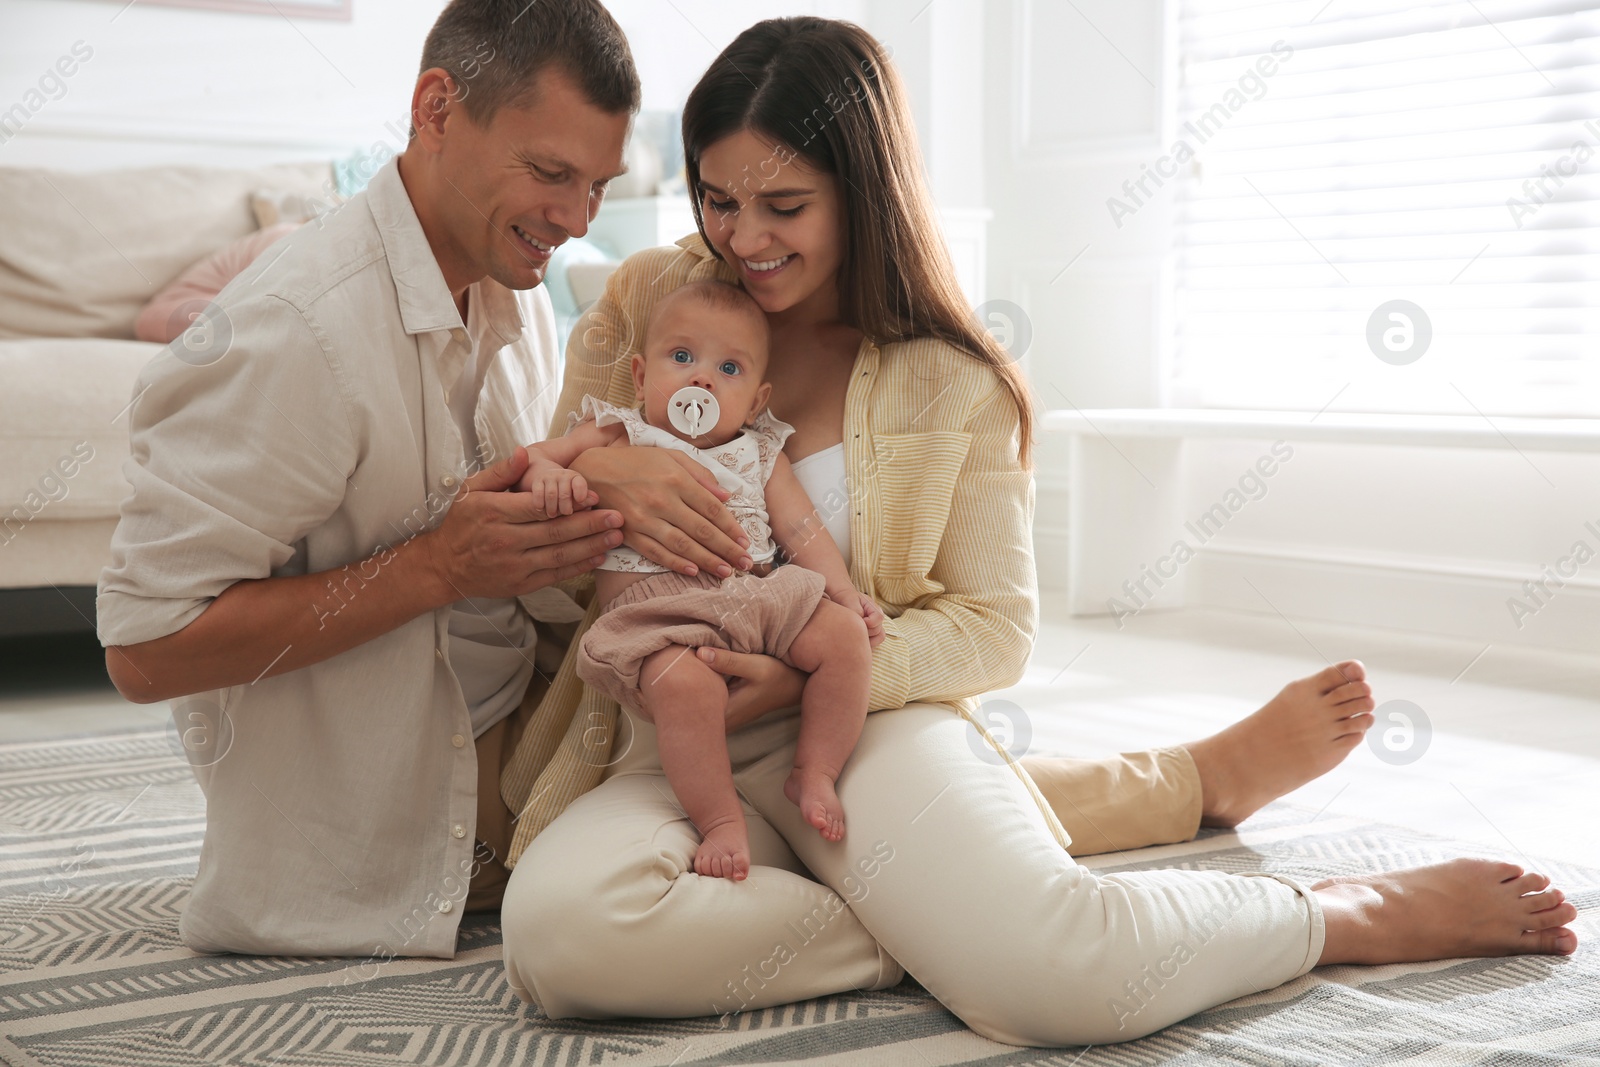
(711, 861)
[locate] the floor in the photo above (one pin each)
(1512, 761)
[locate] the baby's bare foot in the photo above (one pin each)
(1300, 734)
(813, 793)
(724, 851)
(1466, 907)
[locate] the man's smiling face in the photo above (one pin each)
(504, 195)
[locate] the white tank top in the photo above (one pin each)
(822, 475)
(741, 466)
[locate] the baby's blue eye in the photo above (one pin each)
(729, 367)
(684, 352)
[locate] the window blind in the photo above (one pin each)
(1345, 155)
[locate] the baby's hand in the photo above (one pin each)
(872, 615)
(560, 491)
(870, 612)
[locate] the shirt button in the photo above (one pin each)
(458, 741)
(459, 831)
(448, 480)
(439, 652)
(445, 905)
(447, 396)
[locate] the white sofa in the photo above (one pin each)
(80, 254)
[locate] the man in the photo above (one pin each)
(314, 553)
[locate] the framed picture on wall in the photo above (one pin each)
(314, 9)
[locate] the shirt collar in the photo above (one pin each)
(693, 243)
(425, 301)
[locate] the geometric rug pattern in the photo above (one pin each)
(99, 838)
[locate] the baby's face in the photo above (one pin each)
(721, 351)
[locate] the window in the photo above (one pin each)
(1332, 162)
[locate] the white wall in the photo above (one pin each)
(1435, 540)
(170, 84)
(674, 43)
(1068, 117)
(934, 45)
(177, 85)
(1034, 109)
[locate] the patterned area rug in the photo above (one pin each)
(99, 839)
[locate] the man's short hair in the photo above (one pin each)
(720, 296)
(495, 49)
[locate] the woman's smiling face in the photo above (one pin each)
(775, 219)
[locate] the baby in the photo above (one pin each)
(700, 376)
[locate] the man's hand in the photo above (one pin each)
(671, 506)
(756, 684)
(493, 543)
(489, 543)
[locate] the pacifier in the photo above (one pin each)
(692, 411)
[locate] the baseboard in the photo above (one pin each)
(1451, 598)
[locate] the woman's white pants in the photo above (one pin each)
(947, 870)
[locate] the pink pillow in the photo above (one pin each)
(171, 311)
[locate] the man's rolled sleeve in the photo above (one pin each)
(233, 461)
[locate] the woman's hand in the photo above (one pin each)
(756, 684)
(672, 510)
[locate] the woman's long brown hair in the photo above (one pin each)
(824, 91)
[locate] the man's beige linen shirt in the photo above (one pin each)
(341, 797)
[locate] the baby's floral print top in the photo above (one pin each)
(742, 466)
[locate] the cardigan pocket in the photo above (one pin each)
(915, 480)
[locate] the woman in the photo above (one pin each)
(912, 434)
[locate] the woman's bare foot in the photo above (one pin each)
(813, 793)
(1467, 907)
(724, 851)
(1300, 734)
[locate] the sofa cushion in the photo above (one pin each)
(83, 252)
(64, 426)
(171, 311)
(273, 207)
